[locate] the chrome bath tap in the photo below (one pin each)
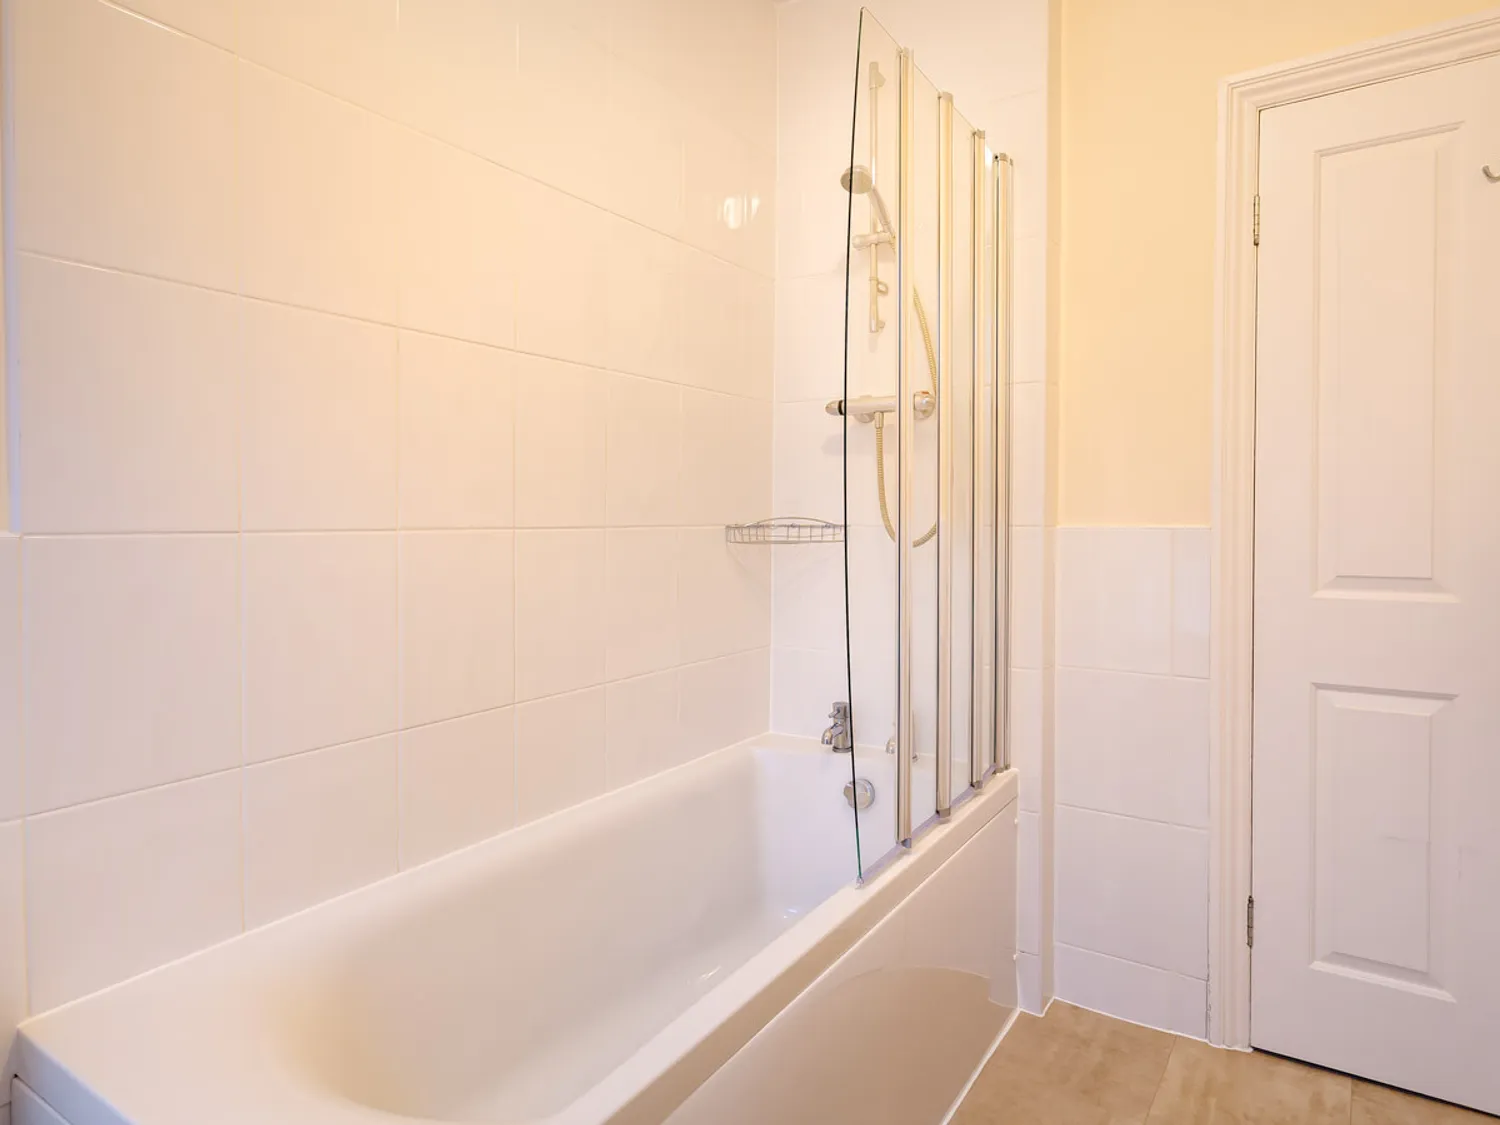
(840, 736)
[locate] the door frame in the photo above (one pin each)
(1241, 100)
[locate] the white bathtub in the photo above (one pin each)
(597, 966)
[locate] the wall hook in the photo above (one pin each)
(1491, 176)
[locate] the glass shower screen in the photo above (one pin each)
(925, 412)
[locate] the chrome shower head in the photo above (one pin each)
(858, 181)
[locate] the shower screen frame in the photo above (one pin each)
(988, 261)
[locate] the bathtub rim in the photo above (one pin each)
(665, 1069)
(686, 1053)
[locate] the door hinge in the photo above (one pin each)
(1255, 223)
(1250, 921)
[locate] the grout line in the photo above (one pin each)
(394, 733)
(177, 31)
(609, 52)
(1171, 602)
(398, 607)
(513, 350)
(1129, 672)
(515, 561)
(1126, 961)
(252, 533)
(1132, 816)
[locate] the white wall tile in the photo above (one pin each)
(562, 275)
(642, 142)
(346, 48)
(124, 169)
(746, 79)
(457, 633)
(560, 611)
(725, 701)
(320, 421)
(726, 459)
(1134, 992)
(644, 301)
(561, 89)
(1029, 983)
(318, 825)
(1026, 623)
(458, 72)
(805, 685)
(759, 340)
(1025, 731)
(642, 33)
(1028, 454)
(101, 452)
(117, 887)
(320, 191)
(211, 20)
(1029, 310)
(13, 1006)
(641, 732)
(457, 421)
(320, 641)
(131, 664)
(641, 598)
(644, 452)
(864, 481)
(728, 341)
(1028, 883)
(457, 784)
(810, 334)
(1133, 889)
(1114, 598)
(1134, 745)
(713, 319)
(12, 802)
(458, 251)
(723, 595)
(560, 752)
(729, 195)
(812, 210)
(1190, 601)
(1017, 125)
(561, 420)
(872, 628)
(808, 599)
(809, 461)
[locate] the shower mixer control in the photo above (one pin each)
(840, 737)
(865, 407)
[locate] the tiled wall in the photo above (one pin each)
(1132, 773)
(993, 58)
(381, 377)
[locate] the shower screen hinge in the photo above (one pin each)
(1250, 921)
(1255, 223)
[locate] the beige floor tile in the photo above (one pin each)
(1204, 1085)
(1072, 1068)
(1380, 1105)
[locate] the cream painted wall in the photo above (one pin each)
(1140, 81)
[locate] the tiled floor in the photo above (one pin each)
(1078, 1068)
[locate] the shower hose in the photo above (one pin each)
(885, 512)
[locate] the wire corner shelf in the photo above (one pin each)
(790, 529)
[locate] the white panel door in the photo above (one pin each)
(1377, 585)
